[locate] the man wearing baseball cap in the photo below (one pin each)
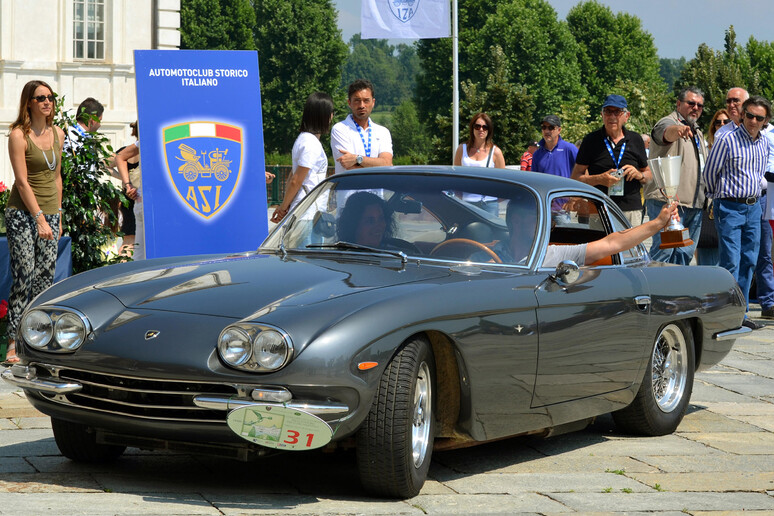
(554, 155)
(612, 155)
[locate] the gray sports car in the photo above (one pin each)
(396, 310)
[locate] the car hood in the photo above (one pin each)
(238, 286)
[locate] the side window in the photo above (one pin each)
(576, 220)
(579, 220)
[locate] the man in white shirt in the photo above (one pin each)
(357, 141)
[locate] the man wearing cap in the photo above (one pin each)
(554, 155)
(526, 158)
(733, 175)
(613, 159)
(677, 134)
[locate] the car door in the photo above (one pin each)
(593, 332)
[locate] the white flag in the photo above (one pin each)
(405, 19)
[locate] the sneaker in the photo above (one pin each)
(767, 313)
(749, 323)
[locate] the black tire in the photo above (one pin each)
(79, 443)
(666, 388)
(394, 453)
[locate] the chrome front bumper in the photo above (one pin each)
(26, 377)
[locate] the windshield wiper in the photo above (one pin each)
(357, 247)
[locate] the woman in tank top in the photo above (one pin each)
(33, 212)
(480, 151)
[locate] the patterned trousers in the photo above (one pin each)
(33, 261)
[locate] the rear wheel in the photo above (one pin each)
(666, 389)
(79, 443)
(395, 443)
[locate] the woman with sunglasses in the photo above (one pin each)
(32, 215)
(480, 151)
(720, 119)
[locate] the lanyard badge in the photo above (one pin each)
(366, 147)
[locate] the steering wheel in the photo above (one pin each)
(463, 242)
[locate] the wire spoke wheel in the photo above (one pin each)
(666, 387)
(670, 367)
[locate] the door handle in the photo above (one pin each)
(642, 302)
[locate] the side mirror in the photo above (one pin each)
(567, 272)
(324, 224)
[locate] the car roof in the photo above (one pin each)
(542, 183)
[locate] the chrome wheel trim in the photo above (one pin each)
(670, 368)
(420, 415)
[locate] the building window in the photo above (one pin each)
(89, 29)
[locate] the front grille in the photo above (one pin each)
(144, 398)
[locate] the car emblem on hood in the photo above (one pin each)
(151, 334)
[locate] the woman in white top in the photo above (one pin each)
(310, 164)
(480, 151)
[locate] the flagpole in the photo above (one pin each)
(455, 82)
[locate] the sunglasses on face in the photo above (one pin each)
(733, 100)
(750, 116)
(43, 98)
(547, 127)
(720, 122)
(694, 104)
(482, 127)
(613, 112)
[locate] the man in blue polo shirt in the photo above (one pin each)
(554, 155)
(733, 177)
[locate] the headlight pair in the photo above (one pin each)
(254, 347)
(54, 329)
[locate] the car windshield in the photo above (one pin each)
(434, 216)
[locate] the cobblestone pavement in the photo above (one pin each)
(719, 462)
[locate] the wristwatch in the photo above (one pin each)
(359, 160)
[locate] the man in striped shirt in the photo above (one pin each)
(733, 175)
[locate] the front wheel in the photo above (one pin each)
(79, 443)
(395, 442)
(666, 389)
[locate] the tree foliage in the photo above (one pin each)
(715, 72)
(612, 48)
(539, 50)
(300, 51)
(409, 137)
(89, 199)
(509, 105)
(670, 69)
(217, 25)
(392, 69)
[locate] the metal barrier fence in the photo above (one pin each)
(276, 190)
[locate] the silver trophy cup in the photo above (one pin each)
(666, 174)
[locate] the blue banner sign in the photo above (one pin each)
(201, 151)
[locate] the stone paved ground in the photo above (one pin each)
(719, 462)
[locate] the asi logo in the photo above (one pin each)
(403, 10)
(204, 160)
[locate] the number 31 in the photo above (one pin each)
(293, 438)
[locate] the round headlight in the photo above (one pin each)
(270, 349)
(69, 331)
(37, 329)
(234, 346)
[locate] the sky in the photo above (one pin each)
(678, 27)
